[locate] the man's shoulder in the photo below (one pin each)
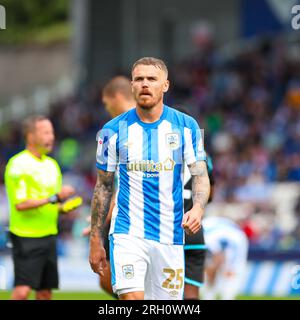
(18, 158)
(17, 163)
(180, 118)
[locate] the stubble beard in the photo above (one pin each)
(147, 105)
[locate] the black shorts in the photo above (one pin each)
(194, 251)
(35, 262)
(106, 240)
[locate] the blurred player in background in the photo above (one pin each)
(146, 235)
(34, 188)
(118, 98)
(227, 250)
(194, 248)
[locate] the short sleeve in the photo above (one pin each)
(106, 155)
(59, 177)
(193, 143)
(15, 181)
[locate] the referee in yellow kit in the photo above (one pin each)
(34, 188)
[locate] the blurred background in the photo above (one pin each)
(235, 65)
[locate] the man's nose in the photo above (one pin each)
(145, 83)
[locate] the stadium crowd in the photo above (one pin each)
(249, 107)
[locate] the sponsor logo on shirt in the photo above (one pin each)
(151, 166)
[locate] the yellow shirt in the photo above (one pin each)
(28, 177)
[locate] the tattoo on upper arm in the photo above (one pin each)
(101, 200)
(200, 183)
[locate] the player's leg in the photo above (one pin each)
(232, 279)
(209, 292)
(105, 280)
(191, 292)
(49, 279)
(229, 285)
(138, 295)
(129, 260)
(21, 293)
(26, 266)
(213, 271)
(43, 294)
(165, 279)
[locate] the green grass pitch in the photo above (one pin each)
(62, 295)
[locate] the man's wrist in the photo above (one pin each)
(54, 199)
(199, 206)
(95, 240)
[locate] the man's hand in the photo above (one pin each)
(97, 257)
(191, 221)
(86, 231)
(66, 192)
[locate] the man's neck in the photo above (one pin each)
(34, 151)
(150, 115)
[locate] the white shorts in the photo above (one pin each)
(145, 265)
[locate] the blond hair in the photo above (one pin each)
(150, 61)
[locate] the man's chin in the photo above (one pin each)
(47, 150)
(146, 105)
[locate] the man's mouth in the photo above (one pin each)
(146, 94)
(48, 145)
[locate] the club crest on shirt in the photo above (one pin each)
(172, 140)
(128, 271)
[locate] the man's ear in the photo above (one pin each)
(166, 86)
(29, 137)
(118, 96)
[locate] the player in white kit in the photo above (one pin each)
(148, 145)
(227, 247)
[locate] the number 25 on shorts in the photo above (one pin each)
(169, 282)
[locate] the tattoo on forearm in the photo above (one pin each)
(200, 183)
(101, 201)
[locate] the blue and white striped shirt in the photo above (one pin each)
(149, 158)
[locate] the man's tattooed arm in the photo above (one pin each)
(200, 183)
(99, 210)
(101, 201)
